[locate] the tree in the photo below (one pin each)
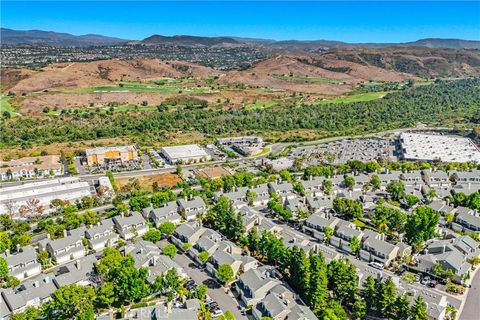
(203, 256)
(71, 302)
(299, 271)
(227, 316)
(112, 259)
(170, 250)
(31, 313)
(386, 293)
(349, 182)
(130, 283)
(411, 199)
(105, 295)
(327, 186)
(152, 235)
(253, 240)
(342, 281)
(3, 269)
(201, 292)
(349, 208)
(328, 234)
(402, 307)
(286, 176)
(138, 203)
(355, 245)
(396, 190)
(167, 228)
(160, 198)
(20, 240)
(421, 225)
(204, 313)
(419, 310)
(225, 273)
(5, 241)
(223, 218)
(369, 293)
(44, 258)
(251, 196)
(375, 182)
(359, 309)
(317, 295)
(89, 217)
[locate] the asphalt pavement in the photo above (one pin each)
(224, 300)
(471, 308)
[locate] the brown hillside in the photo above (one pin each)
(99, 73)
(418, 61)
(280, 72)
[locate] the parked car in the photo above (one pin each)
(376, 265)
(217, 313)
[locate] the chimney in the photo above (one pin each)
(48, 236)
(78, 264)
(47, 280)
(191, 196)
(18, 247)
(185, 198)
(7, 252)
(311, 178)
(36, 284)
(169, 307)
(65, 234)
(122, 214)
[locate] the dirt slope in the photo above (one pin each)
(100, 73)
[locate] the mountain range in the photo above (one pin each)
(33, 37)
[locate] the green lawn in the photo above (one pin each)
(6, 106)
(310, 79)
(260, 105)
(359, 97)
(161, 86)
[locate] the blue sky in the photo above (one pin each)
(377, 21)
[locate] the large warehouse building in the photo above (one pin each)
(436, 147)
(34, 198)
(191, 153)
(102, 155)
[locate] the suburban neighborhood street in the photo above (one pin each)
(225, 301)
(471, 308)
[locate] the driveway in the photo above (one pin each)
(471, 308)
(224, 300)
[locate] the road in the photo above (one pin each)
(224, 300)
(471, 308)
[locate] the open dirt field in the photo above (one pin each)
(163, 180)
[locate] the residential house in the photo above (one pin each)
(132, 226)
(33, 292)
(316, 225)
(64, 249)
(77, 272)
(193, 208)
(466, 221)
(344, 234)
(101, 235)
(313, 186)
(255, 284)
(148, 255)
(374, 248)
(168, 212)
(22, 264)
(188, 232)
(283, 190)
(262, 195)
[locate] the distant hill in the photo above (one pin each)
(9, 36)
(316, 45)
(190, 40)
